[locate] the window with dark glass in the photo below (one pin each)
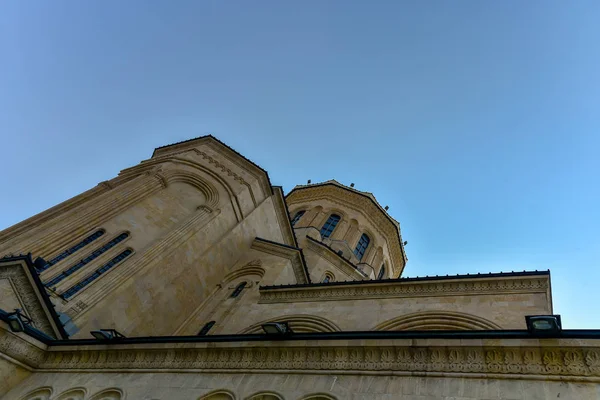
(362, 245)
(73, 290)
(297, 217)
(238, 289)
(329, 226)
(72, 250)
(71, 270)
(381, 272)
(206, 328)
(327, 278)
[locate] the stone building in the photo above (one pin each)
(224, 288)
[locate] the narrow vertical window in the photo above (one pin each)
(330, 225)
(72, 250)
(381, 272)
(97, 253)
(238, 289)
(76, 288)
(362, 245)
(206, 328)
(297, 217)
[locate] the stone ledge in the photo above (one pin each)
(394, 289)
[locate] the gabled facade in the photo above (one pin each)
(190, 253)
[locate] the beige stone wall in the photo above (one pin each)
(161, 295)
(241, 386)
(9, 299)
(191, 212)
(11, 374)
(360, 314)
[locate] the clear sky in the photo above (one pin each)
(477, 122)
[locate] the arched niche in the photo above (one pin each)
(252, 269)
(43, 393)
(301, 323)
(108, 394)
(265, 396)
(437, 320)
(72, 394)
(218, 395)
(318, 396)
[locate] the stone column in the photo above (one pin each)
(319, 220)
(340, 230)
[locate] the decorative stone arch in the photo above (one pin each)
(72, 394)
(326, 274)
(437, 320)
(386, 273)
(301, 323)
(363, 229)
(218, 395)
(265, 396)
(209, 191)
(351, 236)
(108, 394)
(42, 393)
(313, 213)
(165, 175)
(252, 268)
(318, 396)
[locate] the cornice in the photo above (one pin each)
(21, 347)
(513, 360)
(400, 289)
(363, 204)
(558, 359)
(293, 254)
(339, 262)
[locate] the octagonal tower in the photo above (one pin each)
(345, 233)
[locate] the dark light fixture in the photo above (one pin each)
(543, 324)
(277, 328)
(40, 264)
(107, 334)
(18, 321)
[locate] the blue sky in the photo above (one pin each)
(477, 122)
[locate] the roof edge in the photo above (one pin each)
(416, 279)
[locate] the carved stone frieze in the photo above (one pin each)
(405, 289)
(567, 361)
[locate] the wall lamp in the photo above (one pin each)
(543, 324)
(107, 334)
(18, 321)
(277, 328)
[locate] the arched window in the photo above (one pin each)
(329, 226)
(71, 291)
(87, 260)
(297, 217)
(73, 249)
(238, 289)
(381, 272)
(362, 245)
(206, 328)
(328, 278)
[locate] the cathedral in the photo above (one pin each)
(191, 277)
